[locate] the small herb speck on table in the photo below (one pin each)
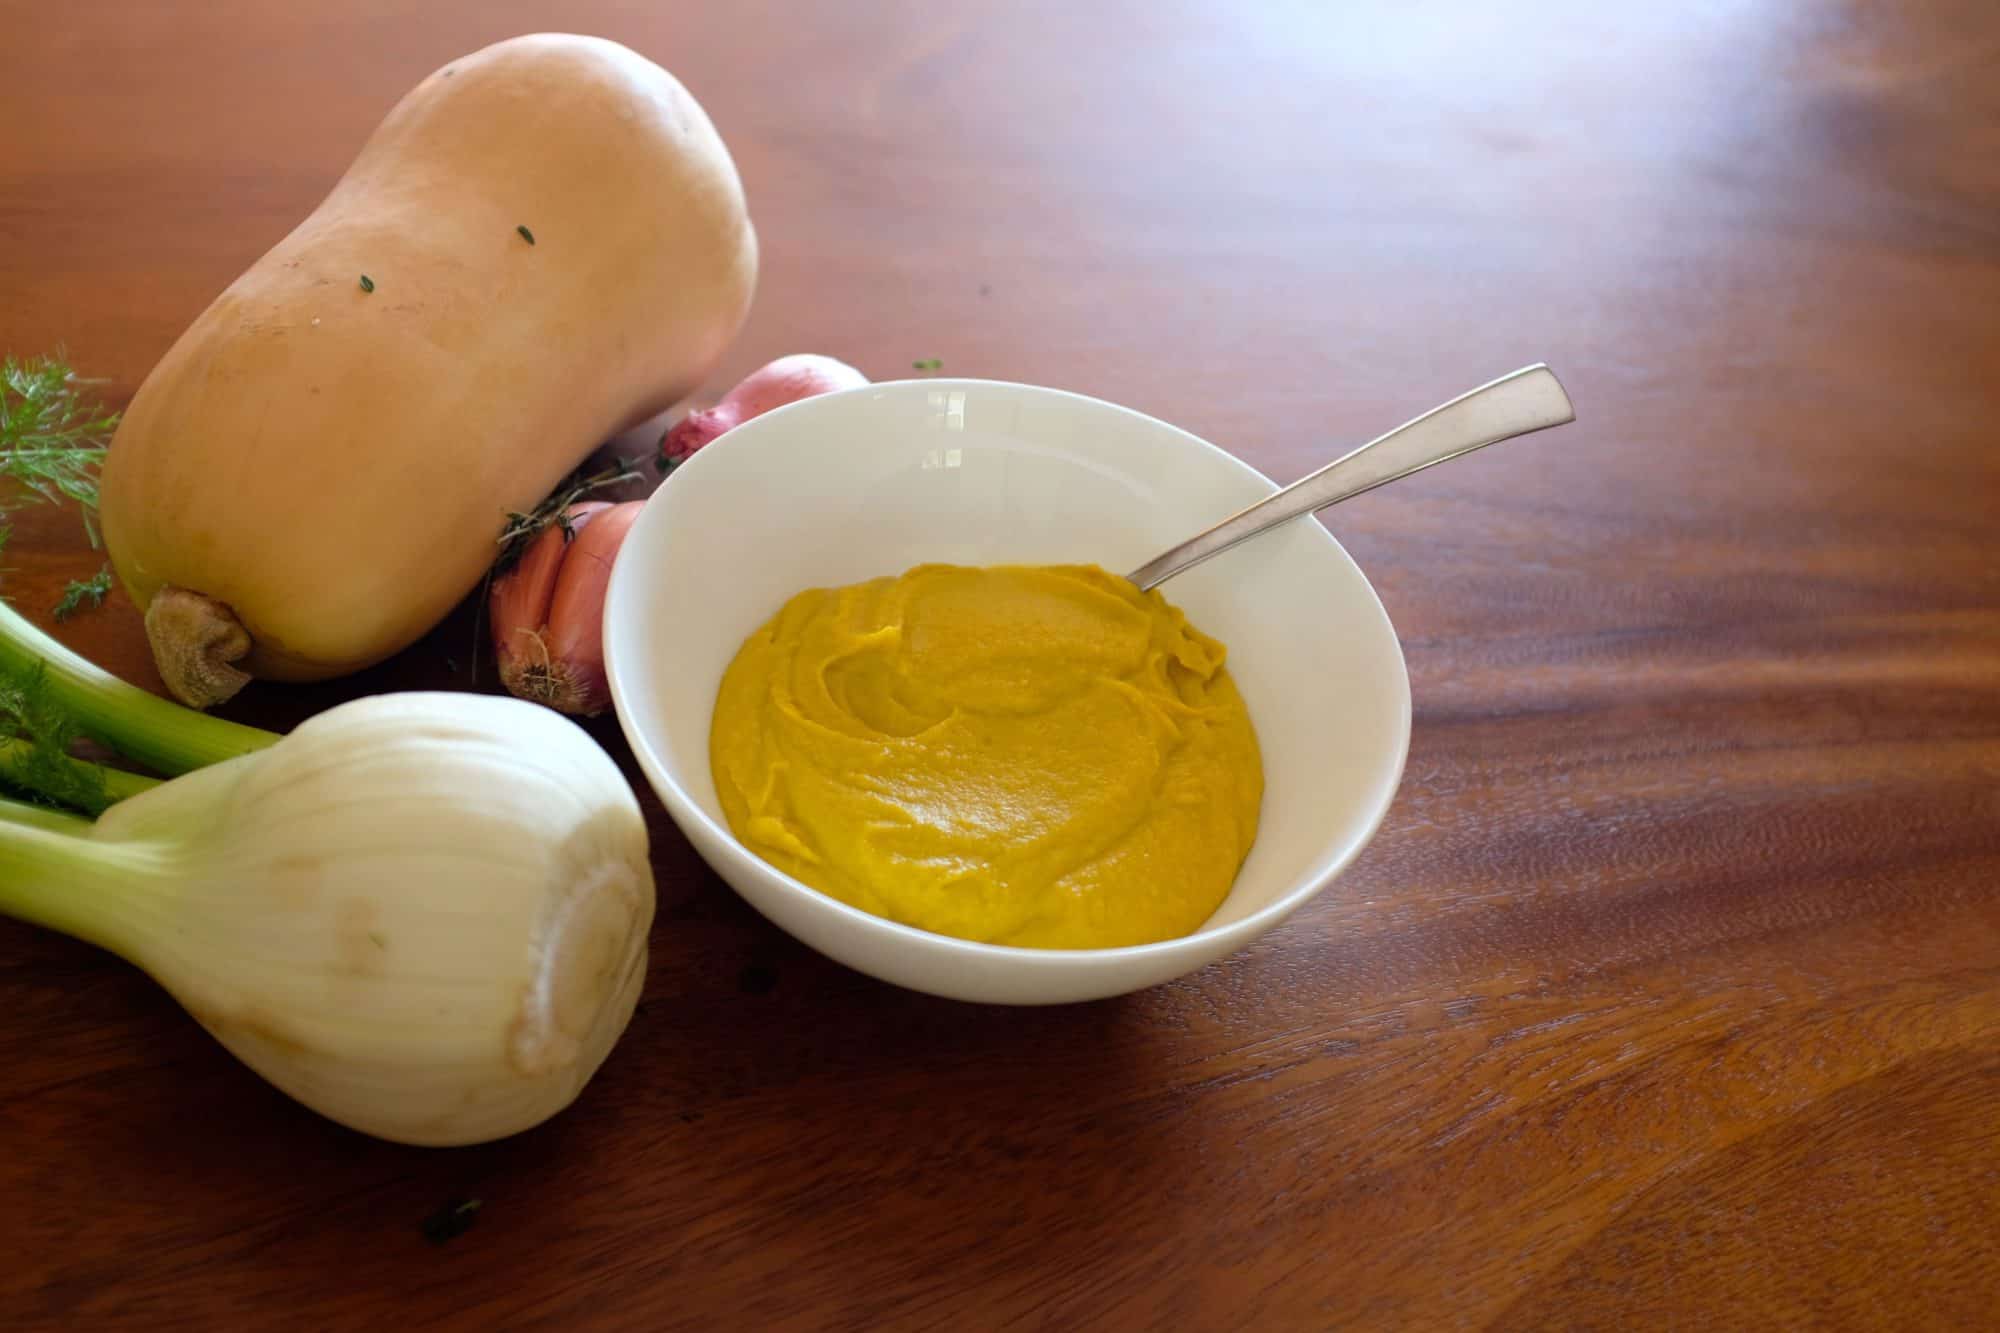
(84, 594)
(452, 1221)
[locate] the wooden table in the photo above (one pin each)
(1668, 996)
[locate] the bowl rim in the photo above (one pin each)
(683, 807)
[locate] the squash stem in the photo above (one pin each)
(53, 875)
(143, 727)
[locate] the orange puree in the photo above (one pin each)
(1023, 755)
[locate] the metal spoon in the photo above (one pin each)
(1528, 400)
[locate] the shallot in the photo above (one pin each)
(548, 610)
(786, 380)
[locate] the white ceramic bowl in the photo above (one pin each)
(868, 482)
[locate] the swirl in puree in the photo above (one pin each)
(1026, 755)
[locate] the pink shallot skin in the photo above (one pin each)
(548, 610)
(576, 613)
(786, 380)
(517, 606)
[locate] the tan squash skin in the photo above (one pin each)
(331, 466)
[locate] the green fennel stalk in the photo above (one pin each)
(143, 727)
(19, 760)
(52, 874)
(22, 814)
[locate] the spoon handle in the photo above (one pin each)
(1528, 400)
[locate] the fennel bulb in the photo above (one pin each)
(422, 915)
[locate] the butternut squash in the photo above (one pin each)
(544, 243)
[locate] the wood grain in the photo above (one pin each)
(1669, 995)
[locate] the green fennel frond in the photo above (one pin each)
(52, 434)
(42, 769)
(84, 594)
